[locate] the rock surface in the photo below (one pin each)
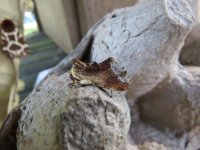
(177, 101)
(91, 118)
(191, 50)
(147, 42)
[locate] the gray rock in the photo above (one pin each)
(57, 115)
(146, 40)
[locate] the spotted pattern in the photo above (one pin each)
(12, 41)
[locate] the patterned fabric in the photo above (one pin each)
(12, 40)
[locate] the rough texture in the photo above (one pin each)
(95, 121)
(191, 51)
(194, 34)
(177, 101)
(193, 138)
(145, 41)
(146, 137)
(90, 117)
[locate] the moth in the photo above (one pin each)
(106, 74)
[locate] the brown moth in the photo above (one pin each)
(105, 74)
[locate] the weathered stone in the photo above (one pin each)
(174, 104)
(146, 41)
(91, 118)
(190, 53)
(193, 138)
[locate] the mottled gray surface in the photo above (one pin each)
(175, 103)
(95, 120)
(90, 117)
(146, 40)
(190, 54)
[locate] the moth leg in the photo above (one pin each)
(75, 83)
(107, 92)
